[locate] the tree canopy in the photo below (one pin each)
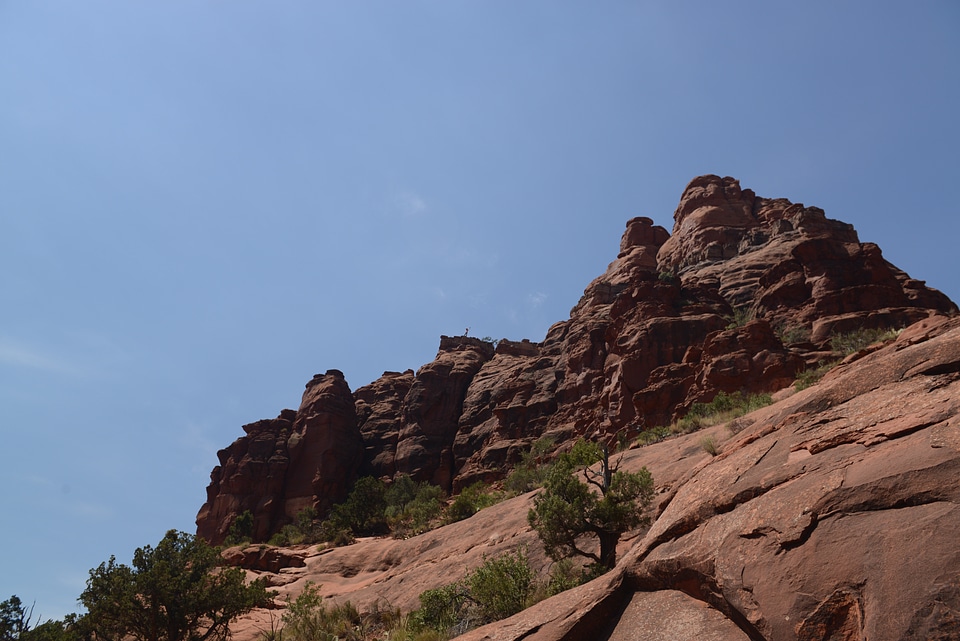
(607, 503)
(174, 592)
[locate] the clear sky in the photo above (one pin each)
(204, 203)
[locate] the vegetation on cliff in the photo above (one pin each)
(569, 509)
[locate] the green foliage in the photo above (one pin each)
(362, 514)
(303, 530)
(172, 592)
(440, 608)
(808, 377)
(850, 342)
(502, 586)
(471, 500)
(412, 508)
(241, 530)
(709, 445)
(724, 407)
(668, 277)
(565, 575)
(16, 624)
(569, 509)
(654, 435)
(308, 618)
(530, 472)
(792, 334)
(14, 619)
(740, 317)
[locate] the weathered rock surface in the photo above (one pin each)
(831, 514)
(307, 458)
(742, 296)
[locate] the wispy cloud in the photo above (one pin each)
(89, 511)
(536, 299)
(195, 439)
(454, 254)
(17, 354)
(409, 204)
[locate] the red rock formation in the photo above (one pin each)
(306, 458)
(831, 514)
(432, 409)
(379, 408)
(672, 321)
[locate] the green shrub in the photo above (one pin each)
(850, 342)
(709, 445)
(654, 435)
(724, 407)
(440, 608)
(808, 377)
(792, 334)
(175, 591)
(412, 508)
(530, 472)
(740, 317)
(471, 500)
(668, 277)
(308, 618)
(502, 586)
(363, 513)
(241, 530)
(304, 529)
(568, 509)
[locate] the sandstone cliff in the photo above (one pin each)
(744, 294)
(831, 514)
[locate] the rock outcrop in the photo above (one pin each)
(831, 514)
(301, 459)
(744, 294)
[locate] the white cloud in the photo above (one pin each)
(16, 354)
(196, 441)
(89, 511)
(537, 299)
(409, 203)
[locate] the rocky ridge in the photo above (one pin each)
(744, 294)
(831, 514)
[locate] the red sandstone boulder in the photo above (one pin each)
(265, 558)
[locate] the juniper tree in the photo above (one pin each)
(605, 504)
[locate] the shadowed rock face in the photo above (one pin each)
(301, 459)
(742, 296)
(831, 514)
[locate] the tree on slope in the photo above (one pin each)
(174, 592)
(607, 503)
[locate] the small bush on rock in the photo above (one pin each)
(850, 342)
(471, 500)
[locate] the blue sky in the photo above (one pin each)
(202, 204)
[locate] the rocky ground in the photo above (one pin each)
(831, 514)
